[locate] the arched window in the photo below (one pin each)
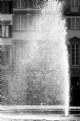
(75, 51)
(75, 54)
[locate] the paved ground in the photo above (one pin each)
(21, 116)
(25, 113)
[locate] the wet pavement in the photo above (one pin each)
(24, 116)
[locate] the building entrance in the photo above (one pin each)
(75, 91)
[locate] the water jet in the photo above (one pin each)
(41, 71)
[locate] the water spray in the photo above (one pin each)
(45, 50)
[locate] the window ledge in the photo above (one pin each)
(75, 29)
(27, 9)
(5, 37)
(75, 66)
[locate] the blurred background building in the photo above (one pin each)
(5, 43)
(72, 14)
(16, 17)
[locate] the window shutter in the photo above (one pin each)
(27, 3)
(69, 23)
(14, 3)
(10, 30)
(14, 22)
(7, 7)
(23, 3)
(30, 3)
(10, 7)
(23, 22)
(78, 23)
(6, 31)
(2, 7)
(3, 31)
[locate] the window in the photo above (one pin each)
(73, 23)
(6, 6)
(20, 3)
(69, 23)
(20, 22)
(75, 55)
(31, 3)
(75, 3)
(6, 31)
(36, 3)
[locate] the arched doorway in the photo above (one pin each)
(74, 51)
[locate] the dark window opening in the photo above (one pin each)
(75, 91)
(5, 7)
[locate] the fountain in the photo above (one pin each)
(42, 63)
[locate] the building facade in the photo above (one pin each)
(16, 19)
(72, 14)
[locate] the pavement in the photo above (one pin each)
(25, 113)
(27, 116)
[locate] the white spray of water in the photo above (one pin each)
(53, 29)
(47, 52)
